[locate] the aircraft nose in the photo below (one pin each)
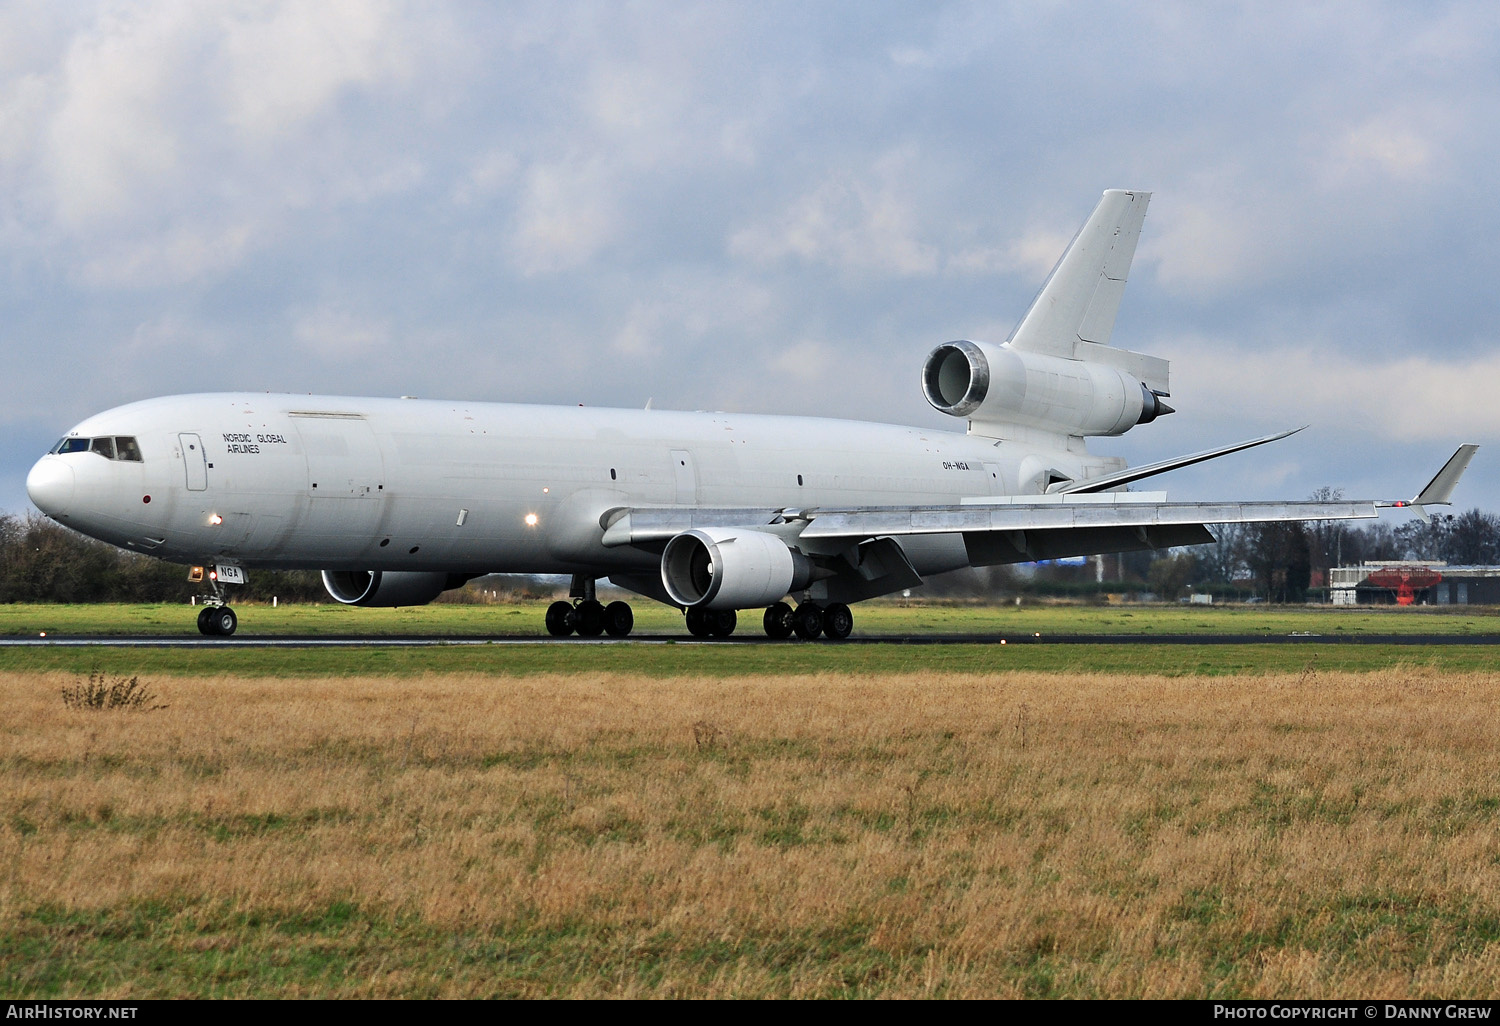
(50, 485)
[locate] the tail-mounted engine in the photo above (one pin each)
(991, 386)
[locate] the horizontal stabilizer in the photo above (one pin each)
(1124, 477)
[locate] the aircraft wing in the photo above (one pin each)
(1032, 527)
(860, 546)
(861, 553)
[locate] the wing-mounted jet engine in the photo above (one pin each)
(389, 588)
(1057, 374)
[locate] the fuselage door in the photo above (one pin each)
(345, 482)
(194, 462)
(992, 479)
(685, 477)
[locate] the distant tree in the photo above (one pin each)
(1277, 554)
(1136, 565)
(1171, 573)
(1471, 539)
(1325, 538)
(1221, 560)
(1423, 539)
(42, 561)
(1371, 543)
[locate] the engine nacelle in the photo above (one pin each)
(999, 385)
(388, 588)
(731, 568)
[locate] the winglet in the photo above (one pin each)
(1439, 491)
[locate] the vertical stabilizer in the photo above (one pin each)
(1082, 295)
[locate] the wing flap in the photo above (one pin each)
(992, 548)
(647, 526)
(898, 521)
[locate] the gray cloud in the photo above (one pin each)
(774, 208)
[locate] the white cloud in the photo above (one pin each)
(113, 138)
(684, 307)
(857, 224)
(176, 255)
(1416, 397)
(493, 171)
(1222, 241)
(1032, 256)
(177, 107)
(288, 63)
(566, 213)
(337, 333)
(1394, 147)
(806, 361)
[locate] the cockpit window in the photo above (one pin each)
(111, 447)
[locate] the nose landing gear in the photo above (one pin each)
(216, 619)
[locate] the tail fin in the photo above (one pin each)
(1074, 314)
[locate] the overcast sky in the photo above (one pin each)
(759, 208)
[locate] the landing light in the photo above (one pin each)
(216, 520)
(531, 520)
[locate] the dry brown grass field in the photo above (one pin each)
(1020, 834)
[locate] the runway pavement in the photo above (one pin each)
(413, 640)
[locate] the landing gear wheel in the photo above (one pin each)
(779, 621)
(618, 619)
(205, 621)
(721, 622)
(697, 622)
(224, 621)
(807, 621)
(838, 621)
(590, 618)
(560, 619)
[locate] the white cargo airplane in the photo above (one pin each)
(397, 500)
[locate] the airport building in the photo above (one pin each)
(1414, 582)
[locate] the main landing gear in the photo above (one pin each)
(808, 621)
(711, 623)
(587, 615)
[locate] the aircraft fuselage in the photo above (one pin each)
(328, 483)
